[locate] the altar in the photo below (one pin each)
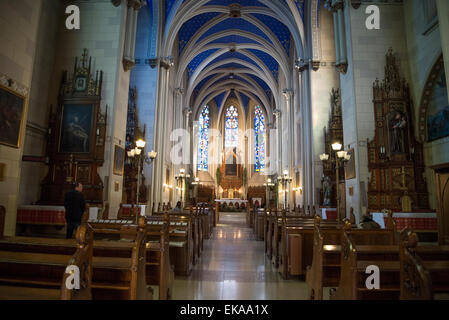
(418, 222)
(235, 202)
(46, 215)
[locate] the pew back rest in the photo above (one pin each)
(2, 220)
(83, 260)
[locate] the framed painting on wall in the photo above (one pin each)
(76, 128)
(438, 109)
(12, 107)
(350, 166)
(119, 160)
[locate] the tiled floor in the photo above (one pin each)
(233, 266)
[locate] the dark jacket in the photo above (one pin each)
(74, 205)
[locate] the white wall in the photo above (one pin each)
(102, 33)
(32, 173)
(366, 57)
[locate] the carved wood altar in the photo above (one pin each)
(76, 136)
(395, 157)
(231, 175)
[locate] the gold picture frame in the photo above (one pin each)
(12, 112)
(119, 160)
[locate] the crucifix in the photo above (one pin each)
(84, 58)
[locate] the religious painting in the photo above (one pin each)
(76, 128)
(11, 117)
(119, 160)
(350, 167)
(438, 109)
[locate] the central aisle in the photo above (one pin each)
(233, 266)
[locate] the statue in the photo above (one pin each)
(327, 188)
(399, 124)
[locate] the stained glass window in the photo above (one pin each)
(259, 132)
(203, 139)
(231, 127)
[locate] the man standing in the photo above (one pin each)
(75, 205)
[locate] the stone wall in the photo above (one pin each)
(19, 22)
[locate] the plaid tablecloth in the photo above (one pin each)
(126, 209)
(329, 213)
(416, 221)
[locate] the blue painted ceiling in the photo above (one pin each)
(276, 26)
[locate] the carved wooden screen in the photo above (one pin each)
(77, 134)
(395, 158)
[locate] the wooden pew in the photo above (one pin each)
(260, 217)
(325, 268)
(159, 270)
(276, 235)
(361, 248)
(2, 220)
(424, 270)
(208, 213)
(301, 230)
(38, 272)
(119, 267)
(181, 241)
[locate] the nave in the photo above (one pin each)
(234, 267)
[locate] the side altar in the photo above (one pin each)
(76, 136)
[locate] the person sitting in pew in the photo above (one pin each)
(178, 207)
(75, 206)
(368, 223)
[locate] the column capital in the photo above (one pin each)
(288, 93)
(179, 91)
(334, 5)
(135, 4)
(167, 63)
(187, 111)
(302, 64)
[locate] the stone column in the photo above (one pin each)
(307, 135)
(341, 52)
(130, 35)
(278, 121)
(160, 130)
(288, 95)
(187, 149)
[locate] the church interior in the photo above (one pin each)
(224, 150)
